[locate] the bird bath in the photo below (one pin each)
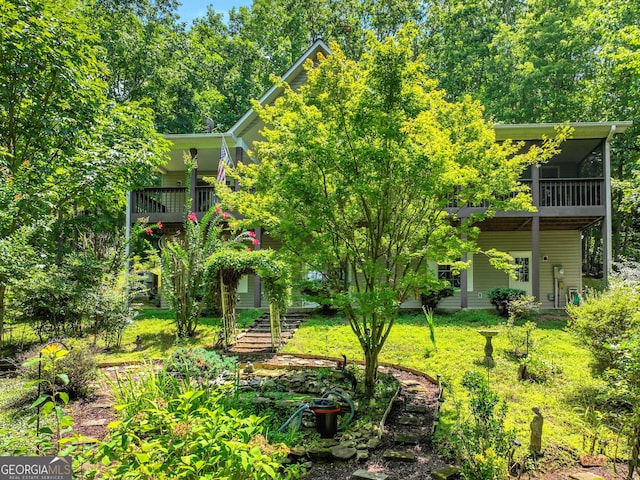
(488, 347)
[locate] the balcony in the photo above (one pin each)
(167, 204)
(557, 197)
(567, 192)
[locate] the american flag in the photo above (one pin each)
(225, 161)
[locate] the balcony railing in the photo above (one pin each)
(170, 200)
(563, 192)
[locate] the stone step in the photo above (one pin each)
(265, 335)
(416, 408)
(399, 456)
(405, 438)
(410, 420)
(95, 423)
(251, 350)
(366, 475)
(446, 473)
(254, 345)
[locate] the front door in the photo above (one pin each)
(523, 271)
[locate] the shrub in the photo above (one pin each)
(605, 319)
(186, 433)
(501, 297)
(78, 365)
(199, 363)
(481, 443)
(520, 338)
(536, 370)
(431, 298)
(317, 291)
(522, 307)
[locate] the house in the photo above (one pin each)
(571, 192)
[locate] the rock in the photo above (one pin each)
(366, 475)
(400, 456)
(585, 476)
(593, 460)
(446, 473)
(348, 443)
(405, 437)
(373, 443)
(416, 408)
(95, 423)
(340, 452)
(410, 420)
(320, 453)
(268, 385)
(409, 383)
(417, 389)
(297, 451)
(362, 455)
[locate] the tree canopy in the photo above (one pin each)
(362, 176)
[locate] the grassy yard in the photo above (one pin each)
(460, 349)
(156, 329)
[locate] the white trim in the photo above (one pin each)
(319, 45)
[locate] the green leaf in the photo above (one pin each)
(40, 400)
(64, 377)
(142, 457)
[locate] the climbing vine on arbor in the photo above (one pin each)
(226, 266)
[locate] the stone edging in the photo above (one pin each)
(311, 356)
(272, 366)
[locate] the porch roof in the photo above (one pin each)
(581, 130)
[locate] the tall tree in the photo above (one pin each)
(64, 146)
(356, 175)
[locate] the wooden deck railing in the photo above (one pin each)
(158, 200)
(565, 192)
(570, 192)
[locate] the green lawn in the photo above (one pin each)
(460, 348)
(157, 330)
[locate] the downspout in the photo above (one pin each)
(607, 247)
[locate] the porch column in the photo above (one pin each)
(607, 230)
(257, 282)
(535, 257)
(194, 178)
(535, 186)
(535, 233)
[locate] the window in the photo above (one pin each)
(522, 269)
(445, 273)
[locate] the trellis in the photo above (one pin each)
(226, 267)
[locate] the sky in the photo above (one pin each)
(191, 9)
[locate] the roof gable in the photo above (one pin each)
(246, 130)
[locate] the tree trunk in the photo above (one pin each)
(3, 289)
(370, 371)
